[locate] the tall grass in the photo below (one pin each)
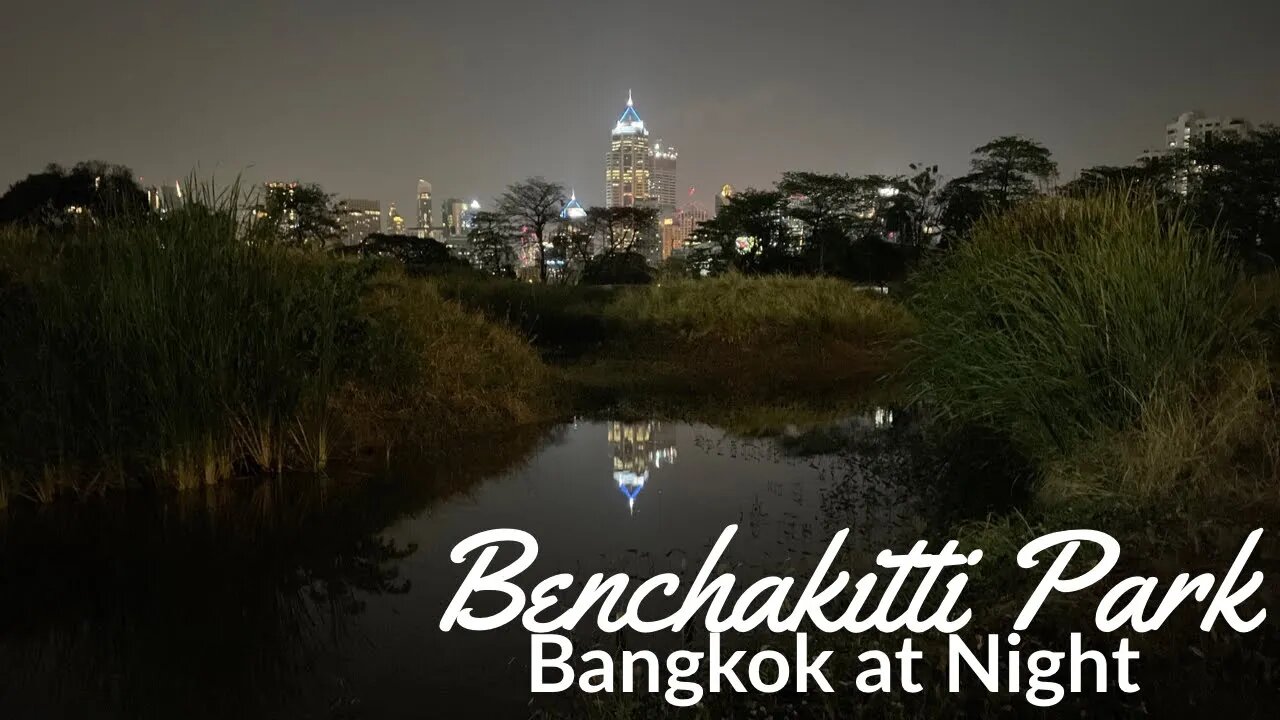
(735, 309)
(425, 359)
(1059, 322)
(178, 349)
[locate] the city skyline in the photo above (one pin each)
(270, 92)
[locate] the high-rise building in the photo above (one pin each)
(573, 210)
(424, 206)
(452, 215)
(165, 198)
(1192, 127)
(722, 197)
(678, 228)
(629, 163)
(664, 175)
(359, 219)
(395, 223)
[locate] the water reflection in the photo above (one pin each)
(302, 598)
(637, 448)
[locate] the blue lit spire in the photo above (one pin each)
(573, 209)
(630, 121)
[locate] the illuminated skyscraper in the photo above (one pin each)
(395, 223)
(664, 176)
(452, 216)
(424, 206)
(678, 227)
(629, 163)
(722, 198)
(573, 210)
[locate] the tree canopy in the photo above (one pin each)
(57, 197)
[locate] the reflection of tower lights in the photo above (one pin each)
(637, 447)
(883, 417)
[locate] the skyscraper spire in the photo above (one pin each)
(629, 97)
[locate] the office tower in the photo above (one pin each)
(664, 176)
(395, 223)
(424, 206)
(629, 162)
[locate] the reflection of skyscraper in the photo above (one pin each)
(639, 447)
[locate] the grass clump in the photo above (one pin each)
(426, 358)
(183, 348)
(1061, 321)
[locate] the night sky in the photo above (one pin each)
(365, 96)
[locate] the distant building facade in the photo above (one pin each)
(678, 228)
(664, 176)
(722, 197)
(424, 206)
(453, 216)
(395, 222)
(1192, 128)
(359, 219)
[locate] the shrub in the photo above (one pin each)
(1058, 322)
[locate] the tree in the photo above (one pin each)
(1011, 169)
(533, 205)
(490, 237)
(624, 229)
(420, 256)
(914, 212)
(572, 243)
(57, 198)
(826, 206)
(961, 205)
(1234, 184)
(304, 214)
(749, 234)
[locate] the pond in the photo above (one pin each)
(304, 598)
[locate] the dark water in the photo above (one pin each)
(308, 598)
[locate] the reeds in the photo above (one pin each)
(1060, 321)
(177, 349)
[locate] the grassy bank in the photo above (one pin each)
(180, 350)
(723, 339)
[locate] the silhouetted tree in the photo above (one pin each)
(914, 213)
(420, 256)
(490, 237)
(1011, 169)
(56, 198)
(1234, 184)
(624, 229)
(532, 206)
(304, 214)
(749, 234)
